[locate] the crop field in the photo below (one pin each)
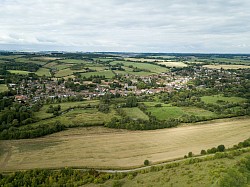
(215, 98)
(44, 58)
(19, 72)
(144, 60)
(106, 73)
(43, 71)
(219, 66)
(135, 113)
(173, 64)
(108, 148)
(3, 88)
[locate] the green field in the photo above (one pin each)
(19, 72)
(3, 88)
(80, 117)
(205, 173)
(150, 67)
(223, 66)
(65, 72)
(74, 61)
(167, 112)
(27, 60)
(64, 106)
(43, 72)
(135, 113)
(215, 98)
(107, 73)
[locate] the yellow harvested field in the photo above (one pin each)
(173, 64)
(144, 60)
(99, 147)
(219, 66)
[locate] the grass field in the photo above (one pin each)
(64, 106)
(135, 113)
(167, 111)
(108, 148)
(80, 117)
(201, 174)
(74, 61)
(219, 66)
(66, 72)
(3, 88)
(43, 71)
(150, 67)
(107, 73)
(215, 98)
(28, 60)
(19, 72)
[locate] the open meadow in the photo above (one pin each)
(3, 88)
(99, 147)
(224, 66)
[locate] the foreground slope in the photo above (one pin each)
(108, 148)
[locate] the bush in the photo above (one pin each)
(221, 148)
(190, 154)
(146, 162)
(203, 152)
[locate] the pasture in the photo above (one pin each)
(223, 66)
(43, 72)
(80, 117)
(167, 111)
(107, 73)
(66, 72)
(3, 88)
(215, 99)
(99, 147)
(74, 61)
(135, 113)
(64, 106)
(19, 72)
(149, 67)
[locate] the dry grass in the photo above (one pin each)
(219, 66)
(173, 64)
(101, 147)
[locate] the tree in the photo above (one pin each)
(190, 154)
(203, 152)
(221, 148)
(131, 102)
(146, 162)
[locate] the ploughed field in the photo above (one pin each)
(99, 147)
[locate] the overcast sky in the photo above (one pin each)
(220, 26)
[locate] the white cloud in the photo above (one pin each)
(132, 25)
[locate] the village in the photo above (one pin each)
(31, 91)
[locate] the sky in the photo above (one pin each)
(180, 26)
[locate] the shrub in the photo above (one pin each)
(203, 152)
(146, 162)
(221, 148)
